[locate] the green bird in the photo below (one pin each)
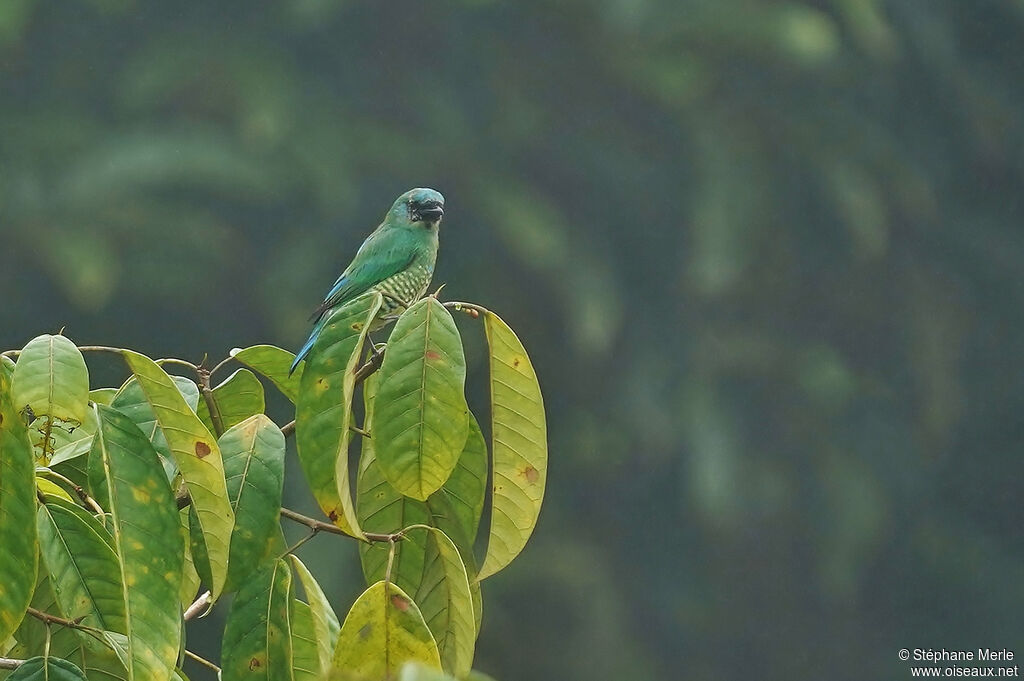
(397, 259)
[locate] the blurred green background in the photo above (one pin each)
(767, 258)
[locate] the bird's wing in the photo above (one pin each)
(383, 254)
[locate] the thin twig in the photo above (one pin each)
(174, 360)
(211, 403)
(295, 547)
(198, 606)
(288, 429)
(202, 660)
(220, 365)
(54, 619)
(82, 494)
(472, 309)
(10, 663)
(319, 526)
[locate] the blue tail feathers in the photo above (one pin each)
(304, 350)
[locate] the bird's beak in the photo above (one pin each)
(432, 214)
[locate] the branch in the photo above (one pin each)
(320, 526)
(203, 661)
(10, 663)
(198, 606)
(53, 619)
(211, 403)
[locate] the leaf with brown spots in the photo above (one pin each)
(519, 446)
(258, 633)
(383, 630)
(188, 439)
(323, 413)
(148, 543)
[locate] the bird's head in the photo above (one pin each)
(422, 208)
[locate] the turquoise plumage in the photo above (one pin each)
(397, 259)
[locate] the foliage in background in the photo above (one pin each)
(769, 251)
(140, 498)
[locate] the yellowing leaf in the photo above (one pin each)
(148, 543)
(519, 446)
(198, 456)
(383, 630)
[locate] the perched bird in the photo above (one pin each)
(397, 260)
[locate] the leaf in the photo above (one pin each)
(198, 457)
(383, 630)
(274, 363)
(148, 543)
(446, 602)
(131, 401)
(47, 669)
(51, 379)
(17, 515)
(466, 488)
(238, 397)
(44, 486)
(190, 576)
(103, 395)
(253, 452)
(257, 635)
(381, 508)
(452, 508)
(325, 622)
(519, 446)
(81, 560)
(323, 413)
(414, 671)
(422, 418)
(306, 664)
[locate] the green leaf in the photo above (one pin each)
(257, 635)
(306, 664)
(253, 453)
(17, 515)
(81, 560)
(190, 576)
(519, 446)
(453, 508)
(325, 622)
(383, 630)
(465, 489)
(147, 538)
(323, 414)
(422, 418)
(103, 395)
(274, 363)
(51, 379)
(198, 457)
(446, 602)
(131, 401)
(238, 397)
(48, 669)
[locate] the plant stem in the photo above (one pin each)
(319, 526)
(211, 403)
(202, 660)
(54, 619)
(10, 663)
(198, 605)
